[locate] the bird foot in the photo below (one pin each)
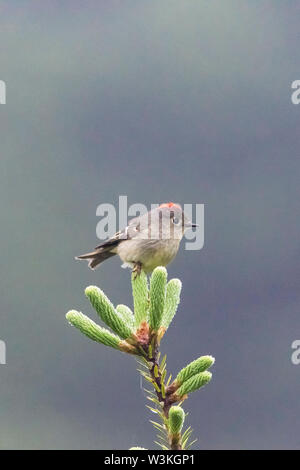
(137, 270)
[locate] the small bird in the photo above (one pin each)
(148, 241)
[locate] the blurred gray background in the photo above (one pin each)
(187, 101)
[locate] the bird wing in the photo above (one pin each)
(125, 234)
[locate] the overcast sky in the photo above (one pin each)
(160, 101)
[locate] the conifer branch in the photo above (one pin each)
(140, 333)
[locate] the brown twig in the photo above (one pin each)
(165, 399)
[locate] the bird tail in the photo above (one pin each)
(96, 257)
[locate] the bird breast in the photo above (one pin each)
(150, 253)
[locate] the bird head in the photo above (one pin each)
(167, 221)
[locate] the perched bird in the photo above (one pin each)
(148, 241)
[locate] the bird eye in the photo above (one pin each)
(175, 221)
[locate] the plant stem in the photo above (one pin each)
(163, 398)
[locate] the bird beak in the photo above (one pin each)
(191, 225)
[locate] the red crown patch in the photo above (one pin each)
(170, 205)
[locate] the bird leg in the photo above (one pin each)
(137, 269)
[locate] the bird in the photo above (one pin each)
(148, 241)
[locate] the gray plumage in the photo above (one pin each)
(149, 241)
